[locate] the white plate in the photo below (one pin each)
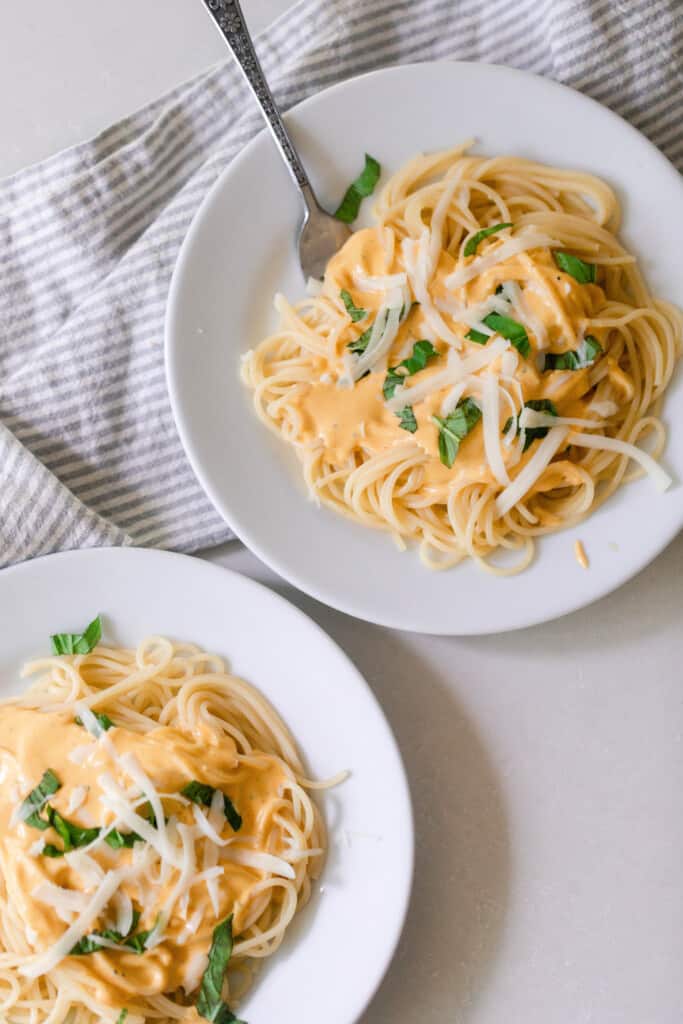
(240, 250)
(330, 964)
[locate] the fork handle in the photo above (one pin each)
(228, 16)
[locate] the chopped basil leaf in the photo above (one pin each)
(137, 942)
(231, 813)
(88, 943)
(72, 836)
(104, 720)
(533, 433)
(120, 840)
(455, 427)
(423, 351)
(407, 419)
(355, 312)
(363, 186)
(477, 336)
(122, 1016)
(201, 793)
(78, 643)
(510, 329)
(474, 241)
(576, 359)
(361, 343)
(584, 273)
(38, 797)
(210, 1003)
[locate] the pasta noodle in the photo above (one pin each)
(164, 742)
(486, 285)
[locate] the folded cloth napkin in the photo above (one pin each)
(89, 454)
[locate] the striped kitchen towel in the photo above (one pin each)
(88, 450)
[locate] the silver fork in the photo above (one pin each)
(321, 235)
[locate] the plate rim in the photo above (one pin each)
(242, 531)
(401, 794)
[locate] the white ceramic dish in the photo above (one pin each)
(240, 250)
(329, 965)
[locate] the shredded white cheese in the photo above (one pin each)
(47, 961)
(659, 476)
(492, 437)
(528, 238)
(528, 476)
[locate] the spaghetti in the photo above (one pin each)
(480, 367)
(153, 812)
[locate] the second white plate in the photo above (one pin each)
(240, 250)
(330, 964)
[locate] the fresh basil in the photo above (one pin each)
(126, 840)
(423, 351)
(104, 720)
(533, 433)
(584, 273)
(72, 836)
(475, 240)
(122, 1016)
(455, 427)
(210, 1003)
(355, 312)
(201, 793)
(78, 643)
(122, 840)
(37, 798)
(358, 190)
(407, 419)
(576, 359)
(507, 328)
(361, 343)
(477, 336)
(136, 942)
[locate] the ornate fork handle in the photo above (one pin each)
(229, 18)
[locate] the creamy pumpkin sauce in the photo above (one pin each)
(32, 742)
(346, 419)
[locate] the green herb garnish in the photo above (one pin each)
(355, 312)
(507, 328)
(584, 273)
(88, 943)
(78, 643)
(423, 351)
(210, 1003)
(122, 840)
(358, 190)
(361, 343)
(104, 720)
(474, 241)
(477, 336)
(576, 359)
(201, 793)
(72, 836)
(455, 427)
(37, 798)
(407, 419)
(533, 433)
(122, 1016)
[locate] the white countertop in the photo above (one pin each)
(546, 766)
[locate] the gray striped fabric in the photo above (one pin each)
(88, 451)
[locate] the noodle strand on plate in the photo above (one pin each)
(154, 820)
(491, 306)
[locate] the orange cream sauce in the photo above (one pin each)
(33, 741)
(357, 419)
